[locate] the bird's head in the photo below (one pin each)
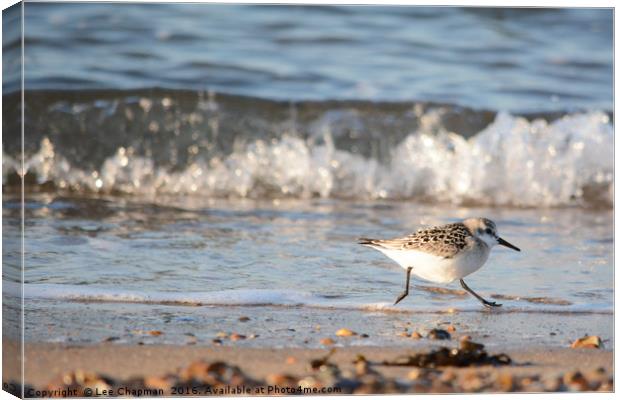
(485, 230)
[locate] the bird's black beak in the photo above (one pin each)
(505, 243)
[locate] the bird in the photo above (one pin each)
(443, 254)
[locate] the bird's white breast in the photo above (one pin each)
(439, 269)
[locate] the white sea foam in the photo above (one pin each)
(511, 162)
(264, 297)
(250, 297)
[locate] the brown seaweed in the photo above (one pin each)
(468, 354)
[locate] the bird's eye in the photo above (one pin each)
(488, 230)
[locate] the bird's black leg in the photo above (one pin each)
(482, 300)
(406, 292)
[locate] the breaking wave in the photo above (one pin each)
(511, 160)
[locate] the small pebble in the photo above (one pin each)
(472, 382)
(416, 335)
(327, 341)
(447, 376)
(345, 332)
(591, 342)
(361, 367)
(527, 381)
(506, 382)
(576, 381)
(156, 382)
(291, 360)
(598, 374)
(468, 345)
(438, 334)
(552, 384)
(281, 380)
(244, 319)
(236, 336)
(414, 374)
(451, 328)
(155, 333)
(607, 386)
(221, 335)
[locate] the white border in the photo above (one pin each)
(467, 3)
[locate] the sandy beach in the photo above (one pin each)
(48, 366)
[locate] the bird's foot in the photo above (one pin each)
(402, 296)
(491, 304)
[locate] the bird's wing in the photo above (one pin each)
(445, 241)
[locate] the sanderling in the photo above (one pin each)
(444, 253)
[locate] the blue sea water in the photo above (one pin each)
(525, 59)
(188, 164)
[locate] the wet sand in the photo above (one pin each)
(536, 369)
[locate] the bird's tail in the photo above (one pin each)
(367, 241)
